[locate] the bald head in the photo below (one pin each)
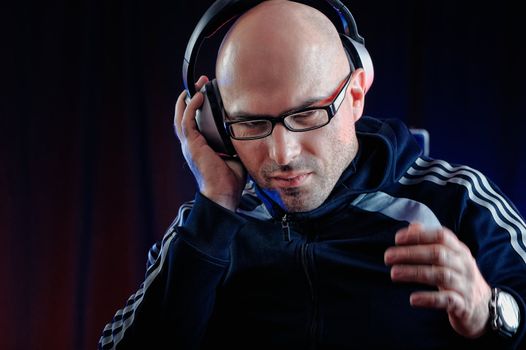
(280, 52)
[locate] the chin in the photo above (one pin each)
(295, 201)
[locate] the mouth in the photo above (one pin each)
(285, 180)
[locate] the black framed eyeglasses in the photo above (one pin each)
(305, 119)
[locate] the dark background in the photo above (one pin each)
(90, 171)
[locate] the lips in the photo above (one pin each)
(290, 179)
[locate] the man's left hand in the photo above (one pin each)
(438, 258)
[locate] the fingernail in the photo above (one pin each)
(388, 257)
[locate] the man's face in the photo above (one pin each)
(278, 57)
(301, 168)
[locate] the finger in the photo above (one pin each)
(189, 108)
(467, 322)
(203, 79)
(179, 110)
(188, 124)
(182, 102)
(430, 254)
(433, 254)
(450, 301)
(416, 234)
(440, 277)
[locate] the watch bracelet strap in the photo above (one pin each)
(496, 322)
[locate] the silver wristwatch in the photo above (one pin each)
(504, 313)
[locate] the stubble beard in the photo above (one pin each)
(313, 195)
(304, 199)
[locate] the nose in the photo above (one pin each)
(284, 145)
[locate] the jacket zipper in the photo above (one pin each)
(285, 228)
(313, 324)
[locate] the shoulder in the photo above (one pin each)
(462, 185)
(443, 173)
(156, 250)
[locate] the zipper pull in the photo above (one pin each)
(285, 227)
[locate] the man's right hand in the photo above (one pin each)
(220, 180)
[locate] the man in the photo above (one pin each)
(328, 230)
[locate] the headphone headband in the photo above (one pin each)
(223, 11)
(210, 117)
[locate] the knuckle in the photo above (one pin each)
(451, 302)
(421, 274)
(447, 277)
(441, 235)
(439, 255)
(406, 253)
(441, 276)
(466, 250)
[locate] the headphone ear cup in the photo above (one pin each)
(360, 58)
(209, 119)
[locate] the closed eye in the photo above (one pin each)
(252, 124)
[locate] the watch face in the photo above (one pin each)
(509, 310)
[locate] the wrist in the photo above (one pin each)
(226, 201)
(210, 228)
(504, 313)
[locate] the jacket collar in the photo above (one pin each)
(386, 150)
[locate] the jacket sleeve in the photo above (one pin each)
(174, 303)
(496, 233)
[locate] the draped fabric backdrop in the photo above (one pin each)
(90, 171)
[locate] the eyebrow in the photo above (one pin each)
(240, 115)
(248, 115)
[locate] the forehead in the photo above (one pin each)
(254, 95)
(274, 59)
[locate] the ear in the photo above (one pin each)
(356, 92)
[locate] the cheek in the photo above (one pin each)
(251, 153)
(346, 134)
(343, 130)
(335, 136)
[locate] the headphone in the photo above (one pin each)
(210, 117)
